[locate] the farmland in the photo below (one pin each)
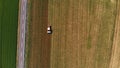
(8, 33)
(39, 21)
(86, 34)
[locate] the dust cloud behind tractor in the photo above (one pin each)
(49, 30)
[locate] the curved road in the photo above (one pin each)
(22, 30)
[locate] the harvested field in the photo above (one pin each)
(86, 34)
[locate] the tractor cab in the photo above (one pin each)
(49, 30)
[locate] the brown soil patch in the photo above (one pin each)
(39, 56)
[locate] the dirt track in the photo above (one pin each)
(21, 33)
(85, 34)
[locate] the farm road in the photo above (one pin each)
(22, 30)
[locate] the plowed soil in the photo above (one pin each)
(41, 42)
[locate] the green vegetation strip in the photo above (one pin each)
(0, 34)
(28, 38)
(8, 33)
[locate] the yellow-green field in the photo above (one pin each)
(86, 34)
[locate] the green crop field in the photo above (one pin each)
(8, 33)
